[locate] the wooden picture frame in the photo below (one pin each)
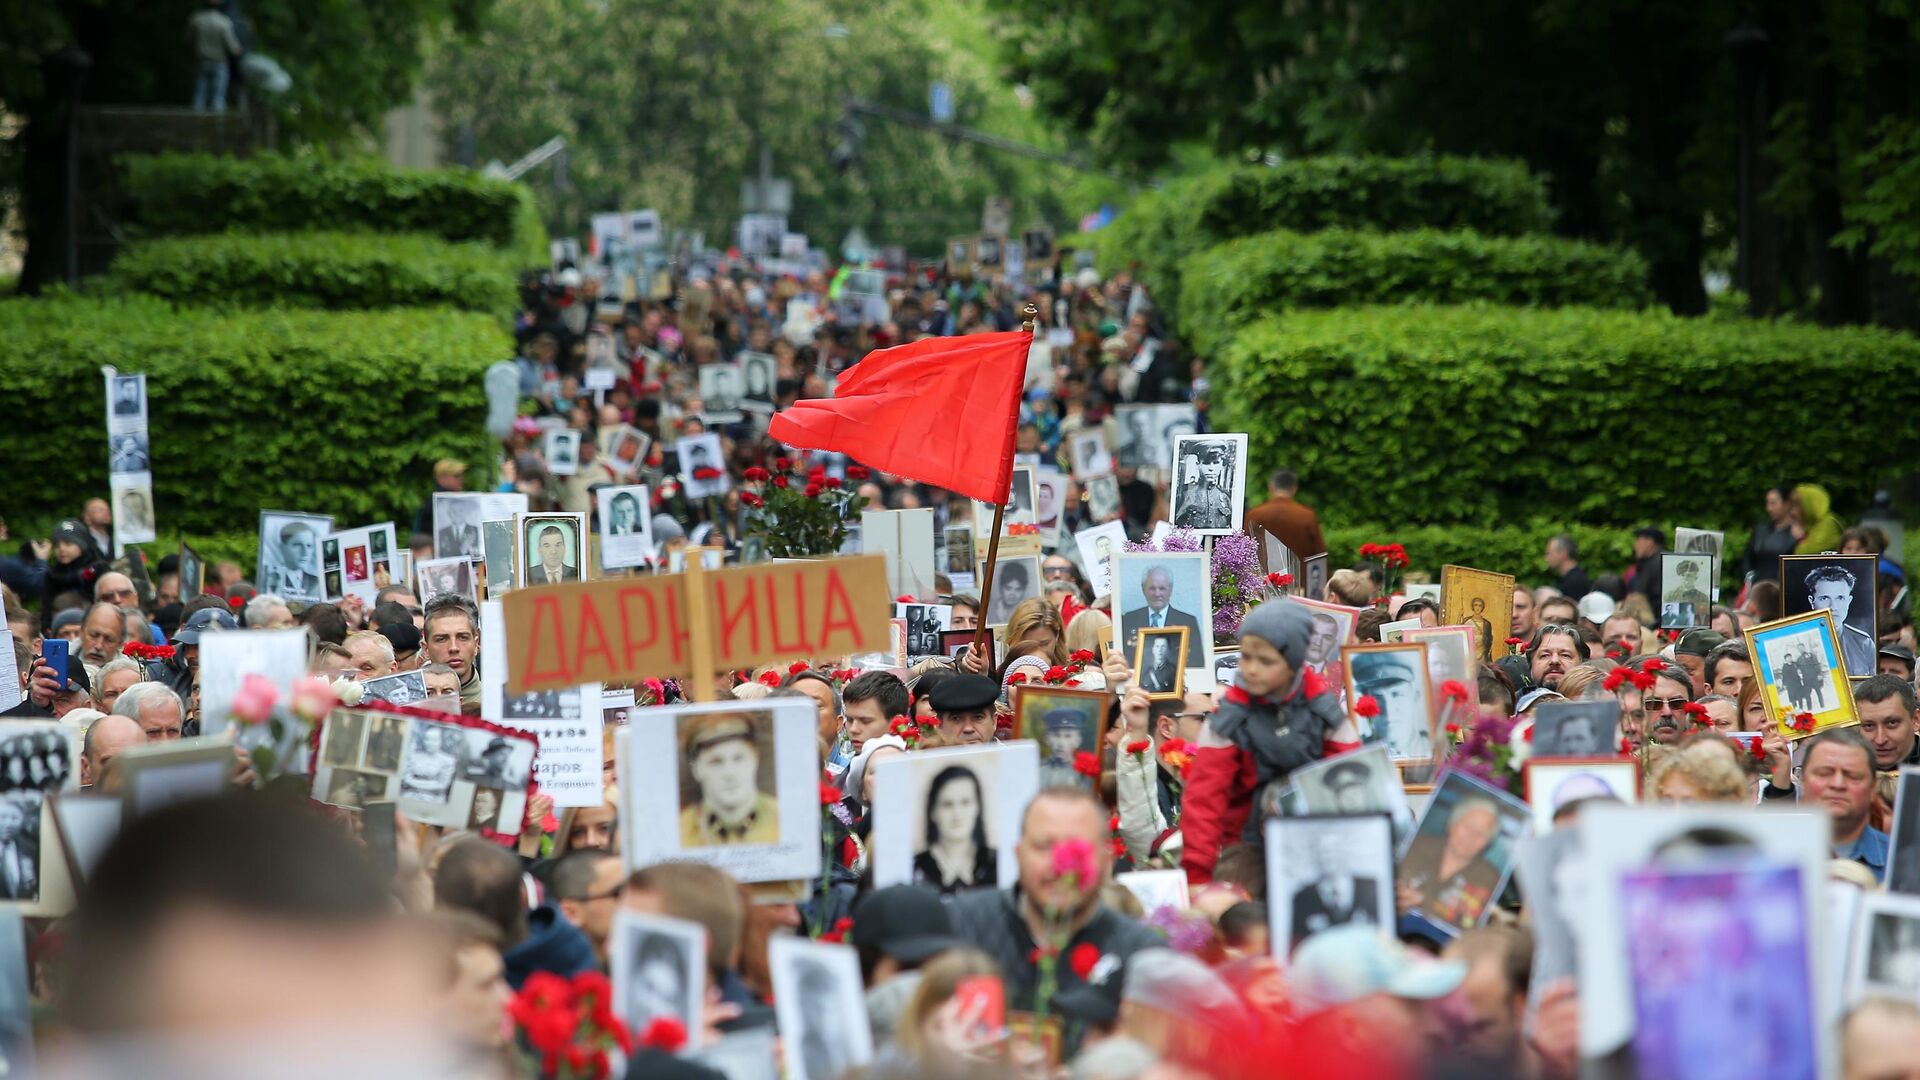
(1178, 636)
(1543, 814)
(1767, 646)
(1030, 704)
(1460, 586)
(1356, 657)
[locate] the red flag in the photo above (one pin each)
(941, 411)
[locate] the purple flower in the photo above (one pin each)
(1186, 931)
(841, 814)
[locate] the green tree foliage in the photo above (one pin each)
(1486, 415)
(665, 104)
(340, 413)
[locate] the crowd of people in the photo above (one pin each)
(242, 932)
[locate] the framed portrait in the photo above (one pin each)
(1332, 632)
(1327, 871)
(820, 1005)
(552, 548)
(1063, 723)
(438, 576)
(1049, 501)
(624, 448)
(1394, 632)
(129, 404)
(1014, 580)
(1702, 542)
(759, 376)
(402, 688)
(1362, 781)
(1555, 784)
(1158, 662)
(1156, 889)
(738, 780)
(1147, 433)
(1395, 676)
(1576, 729)
(1209, 492)
(1686, 584)
(457, 516)
(924, 625)
(359, 562)
(1798, 662)
(37, 759)
(626, 526)
(289, 564)
(193, 573)
(1226, 666)
(1097, 546)
(720, 393)
(1450, 658)
(1481, 601)
(1022, 505)
(1844, 585)
(1885, 949)
(1155, 589)
(1102, 494)
(563, 451)
(133, 521)
(1903, 861)
(1313, 576)
(496, 539)
(703, 468)
(87, 822)
(279, 656)
(958, 547)
(955, 642)
(960, 256)
(1465, 814)
(1616, 921)
(1090, 453)
(659, 967)
(443, 769)
(158, 775)
(906, 538)
(953, 815)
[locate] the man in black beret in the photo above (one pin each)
(964, 705)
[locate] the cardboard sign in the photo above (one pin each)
(628, 629)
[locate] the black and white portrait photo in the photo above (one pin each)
(924, 624)
(1090, 453)
(719, 390)
(1210, 483)
(820, 1007)
(434, 760)
(757, 381)
(457, 516)
(1159, 661)
(1148, 433)
(438, 576)
(1360, 781)
(1097, 545)
(405, 688)
(290, 555)
(127, 453)
(1327, 871)
(1844, 585)
(958, 538)
(496, 538)
(1103, 497)
(703, 471)
(496, 761)
(1022, 502)
(1576, 729)
(553, 548)
(35, 759)
(626, 526)
(1903, 863)
(1686, 585)
(132, 507)
(960, 818)
(1014, 580)
(129, 397)
(1395, 676)
(563, 451)
(659, 967)
(1887, 948)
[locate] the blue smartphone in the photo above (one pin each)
(54, 652)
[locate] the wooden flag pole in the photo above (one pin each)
(993, 541)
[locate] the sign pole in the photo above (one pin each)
(993, 541)
(699, 685)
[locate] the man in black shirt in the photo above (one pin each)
(1563, 558)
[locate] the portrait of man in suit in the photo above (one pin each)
(1156, 587)
(295, 573)
(459, 533)
(550, 547)
(1334, 895)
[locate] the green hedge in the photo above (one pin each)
(1518, 548)
(341, 413)
(1277, 271)
(1481, 415)
(1158, 232)
(337, 271)
(198, 193)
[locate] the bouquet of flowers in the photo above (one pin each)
(1495, 749)
(797, 514)
(571, 1026)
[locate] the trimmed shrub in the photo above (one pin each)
(1241, 279)
(178, 194)
(1482, 415)
(341, 413)
(1162, 228)
(1517, 548)
(337, 271)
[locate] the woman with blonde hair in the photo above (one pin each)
(1090, 630)
(941, 1031)
(1353, 588)
(1034, 629)
(1705, 769)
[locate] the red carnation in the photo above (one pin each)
(1514, 641)
(780, 481)
(840, 928)
(1366, 706)
(818, 472)
(664, 1033)
(770, 678)
(707, 473)
(783, 464)
(1452, 728)
(1758, 751)
(1626, 747)
(1313, 684)
(1654, 663)
(1139, 746)
(1454, 689)
(1642, 680)
(813, 491)
(1119, 847)
(1056, 673)
(1082, 656)
(751, 501)
(857, 472)
(1279, 581)
(1614, 679)
(754, 474)
(236, 602)
(1082, 958)
(829, 795)
(1087, 763)
(797, 667)
(831, 484)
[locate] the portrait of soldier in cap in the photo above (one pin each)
(724, 804)
(1202, 501)
(1684, 603)
(1063, 740)
(1395, 677)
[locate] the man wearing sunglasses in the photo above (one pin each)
(1666, 706)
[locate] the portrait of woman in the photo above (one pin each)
(957, 855)
(659, 986)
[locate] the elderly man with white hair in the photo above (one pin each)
(113, 679)
(371, 655)
(155, 707)
(268, 611)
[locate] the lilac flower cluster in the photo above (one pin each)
(1187, 931)
(1235, 570)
